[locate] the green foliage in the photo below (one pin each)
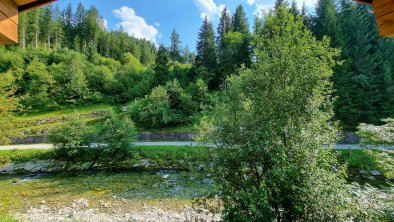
(153, 110)
(118, 133)
(8, 104)
(162, 66)
(378, 135)
(175, 48)
(7, 218)
(269, 164)
(199, 93)
(21, 156)
(206, 60)
(71, 140)
(165, 106)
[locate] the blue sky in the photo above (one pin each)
(155, 19)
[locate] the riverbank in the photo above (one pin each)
(106, 196)
(145, 158)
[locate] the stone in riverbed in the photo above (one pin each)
(376, 173)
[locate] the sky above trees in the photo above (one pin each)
(155, 19)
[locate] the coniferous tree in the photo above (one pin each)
(354, 81)
(294, 8)
(279, 3)
(240, 24)
(46, 25)
(326, 22)
(175, 49)
(224, 26)
(206, 60)
(68, 24)
(162, 67)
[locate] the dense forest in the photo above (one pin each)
(67, 58)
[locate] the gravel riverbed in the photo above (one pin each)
(79, 210)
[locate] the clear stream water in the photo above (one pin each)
(19, 191)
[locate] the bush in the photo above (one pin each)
(71, 140)
(153, 110)
(181, 103)
(199, 93)
(118, 133)
(165, 106)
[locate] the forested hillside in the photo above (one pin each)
(66, 58)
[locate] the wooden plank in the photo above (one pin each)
(10, 9)
(8, 29)
(383, 7)
(386, 24)
(33, 4)
(23, 2)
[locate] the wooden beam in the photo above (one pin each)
(384, 14)
(34, 4)
(8, 22)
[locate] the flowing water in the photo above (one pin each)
(121, 189)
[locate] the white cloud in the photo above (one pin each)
(157, 24)
(262, 9)
(208, 8)
(250, 2)
(134, 24)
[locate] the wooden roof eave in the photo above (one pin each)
(33, 4)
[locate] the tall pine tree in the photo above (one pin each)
(175, 48)
(206, 60)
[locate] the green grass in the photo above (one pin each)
(7, 218)
(159, 156)
(360, 159)
(20, 156)
(185, 128)
(70, 111)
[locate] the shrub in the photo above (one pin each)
(118, 133)
(71, 140)
(153, 110)
(181, 103)
(199, 93)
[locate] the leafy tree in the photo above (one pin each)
(153, 110)
(162, 66)
(39, 87)
(269, 128)
(181, 103)
(175, 49)
(71, 139)
(118, 133)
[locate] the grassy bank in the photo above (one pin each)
(7, 218)
(185, 157)
(180, 157)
